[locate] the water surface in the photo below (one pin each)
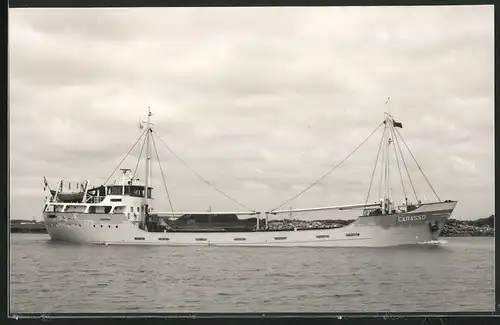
(56, 277)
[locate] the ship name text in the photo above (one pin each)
(412, 218)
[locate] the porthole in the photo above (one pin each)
(116, 226)
(101, 226)
(93, 226)
(109, 226)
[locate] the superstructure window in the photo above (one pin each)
(137, 191)
(114, 190)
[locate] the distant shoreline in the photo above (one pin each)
(466, 236)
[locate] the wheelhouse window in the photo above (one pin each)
(114, 190)
(136, 191)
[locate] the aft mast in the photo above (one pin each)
(386, 208)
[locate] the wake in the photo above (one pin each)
(433, 242)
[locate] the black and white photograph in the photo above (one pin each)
(251, 159)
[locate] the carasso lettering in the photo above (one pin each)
(412, 218)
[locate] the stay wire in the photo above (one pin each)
(201, 177)
(329, 172)
(397, 162)
(375, 167)
(139, 159)
(406, 168)
(162, 175)
(139, 139)
(432, 188)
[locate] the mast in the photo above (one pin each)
(148, 161)
(387, 178)
(388, 185)
(384, 168)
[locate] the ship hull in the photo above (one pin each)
(419, 226)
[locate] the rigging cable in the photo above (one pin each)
(406, 168)
(374, 167)
(397, 162)
(139, 159)
(162, 175)
(418, 166)
(331, 170)
(139, 139)
(201, 177)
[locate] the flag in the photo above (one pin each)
(397, 124)
(141, 126)
(45, 184)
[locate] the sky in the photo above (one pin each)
(259, 101)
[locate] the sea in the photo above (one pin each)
(49, 277)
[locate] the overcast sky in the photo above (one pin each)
(260, 101)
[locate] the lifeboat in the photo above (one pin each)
(68, 196)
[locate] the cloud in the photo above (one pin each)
(463, 165)
(260, 101)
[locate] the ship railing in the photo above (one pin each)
(95, 199)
